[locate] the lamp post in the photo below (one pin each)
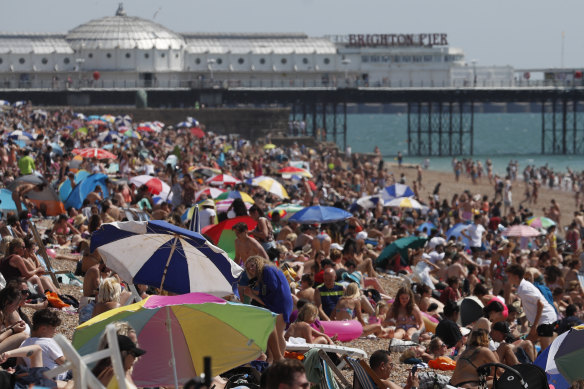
(210, 63)
(346, 62)
(80, 62)
(474, 72)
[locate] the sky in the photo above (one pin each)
(520, 33)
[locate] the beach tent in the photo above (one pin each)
(47, 197)
(65, 188)
(85, 187)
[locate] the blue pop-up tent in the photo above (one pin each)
(85, 187)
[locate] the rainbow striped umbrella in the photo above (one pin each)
(222, 235)
(540, 222)
(286, 211)
(235, 194)
(183, 330)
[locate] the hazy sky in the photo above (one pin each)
(521, 33)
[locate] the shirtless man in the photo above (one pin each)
(456, 269)
(505, 351)
(19, 194)
(306, 290)
(91, 282)
(95, 196)
(245, 246)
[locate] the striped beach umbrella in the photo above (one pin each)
(270, 185)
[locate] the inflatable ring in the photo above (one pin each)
(345, 330)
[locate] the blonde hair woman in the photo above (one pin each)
(274, 293)
(349, 307)
(108, 296)
(302, 328)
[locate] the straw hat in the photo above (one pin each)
(79, 220)
(208, 203)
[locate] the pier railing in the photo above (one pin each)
(14, 83)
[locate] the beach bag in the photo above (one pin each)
(55, 301)
(432, 380)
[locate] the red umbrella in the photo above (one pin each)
(96, 122)
(196, 131)
(223, 179)
(145, 129)
(291, 170)
(154, 184)
(94, 153)
(210, 192)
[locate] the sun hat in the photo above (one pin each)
(208, 203)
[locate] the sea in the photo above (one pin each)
(502, 137)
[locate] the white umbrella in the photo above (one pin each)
(404, 202)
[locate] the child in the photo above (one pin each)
(44, 326)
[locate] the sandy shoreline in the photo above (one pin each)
(449, 187)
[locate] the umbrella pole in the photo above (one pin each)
(168, 261)
(172, 357)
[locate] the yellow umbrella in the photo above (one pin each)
(269, 146)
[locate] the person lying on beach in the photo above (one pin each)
(303, 327)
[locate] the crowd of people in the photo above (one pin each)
(305, 273)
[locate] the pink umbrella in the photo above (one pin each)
(521, 230)
(223, 179)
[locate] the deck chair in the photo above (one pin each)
(82, 374)
(327, 348)
(328, 366)
(43, 252)
(520, 376)
(364, 377)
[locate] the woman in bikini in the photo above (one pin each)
(303, 327)
(476, 354)
(349, 307)
(405, 314)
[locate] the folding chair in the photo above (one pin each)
(82, 375)
(47, 259)
(364, 377)
(349, 351)
(327, 367)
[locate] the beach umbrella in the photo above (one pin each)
(223, 179)
(197, 132)
(56, 148)
(184, 125)
(96, 122)
(210, 192)
(521, 230)
(366, 202)
(455, 232)
(569, 354)
(189, 212)
(109, 136)
(165, 256)
(47, 197)
(404, 202)
(286, 210)
(224, 205)
(6, 202)
(204, 171)
(76, 163)
(269, 146)
(270, 185)
(5, 104)
(235, 194)
(154, 184)
(147, 127)
(193, 121)
(394, 191)
(21, 135)
(222, 235)
(108, 118)
(195, 220)
(556, 379)
(132, 134)
(94, 153)
(296, 171)
(540, 222)
(427, 227)
(19, 104)
(179, 331)
(80, 116)
(320, 214)
(94, 117)
(400, 246)
(39, 114)
(125, 121)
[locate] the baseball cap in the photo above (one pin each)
(126, 344)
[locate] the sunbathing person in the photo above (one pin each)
(349, 307)
(405, 315)
(476, 354)
(303, 327)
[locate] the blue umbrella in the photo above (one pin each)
(455, 231)
(20, 103)
(4, 103)
(557, 380)
(162, 255)
(123, 121)
(6, 202)
(427, 227)
(94, 117)
(56, 148)
(195, 222)
(320, 214)
(184, 124)
(394, 191)
(39, 114)
(21, 135)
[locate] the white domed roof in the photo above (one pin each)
(123, 32)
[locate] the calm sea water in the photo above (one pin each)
(500, 137)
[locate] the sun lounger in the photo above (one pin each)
(327, 348)
(364, 377)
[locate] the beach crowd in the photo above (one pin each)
(475, 247)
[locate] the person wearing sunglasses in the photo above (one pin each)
(380, 362)
(13, 327)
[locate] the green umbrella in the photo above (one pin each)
(569, 356)
(400, 246)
